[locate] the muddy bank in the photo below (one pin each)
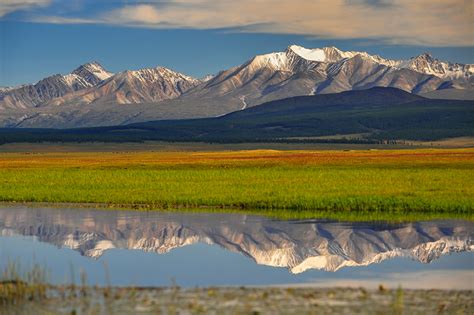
(60, 300)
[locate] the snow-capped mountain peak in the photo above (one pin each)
(328, 54)
(426, 63)
(275, 61)
(294, 56)
(92, 72)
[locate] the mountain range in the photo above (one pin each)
(92, 96)
(296, 245)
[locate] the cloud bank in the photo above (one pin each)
(8, 6)
(420, 22)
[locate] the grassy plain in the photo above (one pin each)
(285, 183)
(52, 147)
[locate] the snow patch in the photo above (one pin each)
(309, 54)
(242, 98)
(276, 61)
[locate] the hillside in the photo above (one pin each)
(374, 114)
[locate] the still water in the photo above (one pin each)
(191, 249)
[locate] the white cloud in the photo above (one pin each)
(64, 20)
(422, 22)
(8, 6)
(137, 14)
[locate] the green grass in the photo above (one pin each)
(417, 189)
(277, 183)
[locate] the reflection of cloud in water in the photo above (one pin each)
(438, 279)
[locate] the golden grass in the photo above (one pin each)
(429, 157)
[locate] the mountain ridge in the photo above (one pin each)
(49, 88)
(58, 100)
(133, 87)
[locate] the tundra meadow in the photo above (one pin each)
(296, 183)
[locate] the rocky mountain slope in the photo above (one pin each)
(300, 71)
(133, 87)
(298, 246)
(58, 101)
(39, 94)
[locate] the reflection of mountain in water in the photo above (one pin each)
(297, 245)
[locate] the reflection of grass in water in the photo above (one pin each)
(286, 214)
(285, 183)
(355, 216)
(388, 216)
(18, 285)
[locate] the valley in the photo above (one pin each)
(236, 157)
(377, 115)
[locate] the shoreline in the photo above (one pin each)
(227, 300)
(279, 214)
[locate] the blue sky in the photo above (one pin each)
(198, 37)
